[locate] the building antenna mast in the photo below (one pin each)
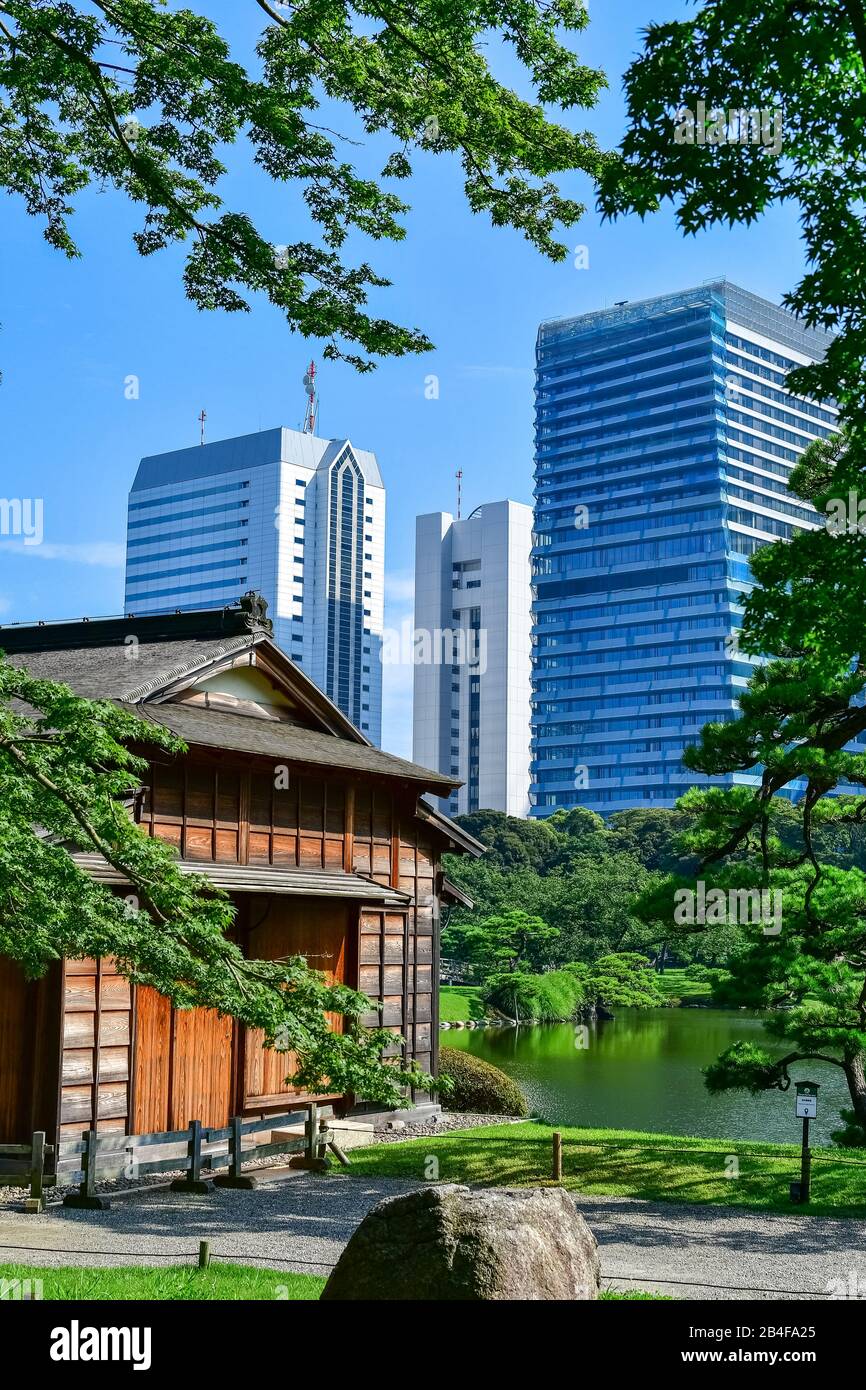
(459, 476)
(202, 419)
(311, 416)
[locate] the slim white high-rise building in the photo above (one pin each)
(301, 520)
(473, 626)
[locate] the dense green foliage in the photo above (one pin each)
(477, 1087)
(133, 97)
(625, 1163)
(510, 940)
(552, 998)
(67, 783)
(801, 59)
(581, 877)
(617, 980)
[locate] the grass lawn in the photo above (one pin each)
(674, 983)
(460, 1003)
(187, 1282)
(657, 1167)
(220, 1281)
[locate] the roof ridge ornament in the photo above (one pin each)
(254, 607)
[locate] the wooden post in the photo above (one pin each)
(557, 1156)
(86, 1198)
(35, 1201)
(314, 1149)
(234, 1177)
(805, 1164)
(192, 1183)
(338, 1152)
(235, 1147)
(203, 1254)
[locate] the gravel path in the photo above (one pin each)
(302, 1221)
(721, 1252)
(293, 1219)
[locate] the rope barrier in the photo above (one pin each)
(234, 1258)
(239, 1256)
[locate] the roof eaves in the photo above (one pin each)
(450, 828)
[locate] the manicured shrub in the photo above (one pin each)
(478, 1087)
(551, 998)
(701, 973)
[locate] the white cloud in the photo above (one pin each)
(108, 554)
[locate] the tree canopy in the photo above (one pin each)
(804, 61)
(143, 99)
(575, 872)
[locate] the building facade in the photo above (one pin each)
(297, 518)
(665, 436)
(338, 859)
(473, 654)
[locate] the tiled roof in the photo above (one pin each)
(138, 661)
(121, 671)
(262, 878)
(282, 742)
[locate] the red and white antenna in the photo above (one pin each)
(312, 412)
(459, 476)
(202, 419)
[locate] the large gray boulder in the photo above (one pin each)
(450, 1242)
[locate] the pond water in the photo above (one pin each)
(642, 1070)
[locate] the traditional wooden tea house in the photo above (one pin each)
(343, 864)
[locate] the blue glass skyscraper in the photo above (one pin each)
(664, 440)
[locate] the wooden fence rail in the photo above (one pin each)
(197, 1152)
(23, 1165)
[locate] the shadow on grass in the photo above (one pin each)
(731, 1176)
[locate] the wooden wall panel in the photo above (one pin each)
(237, 815)
(152, 1061)
(95, 1060)
(318, 930)
(183, 1065)
(201, 1068)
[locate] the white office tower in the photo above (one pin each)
(473, 654)
(301, 520)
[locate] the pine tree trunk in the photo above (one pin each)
(855, 1075)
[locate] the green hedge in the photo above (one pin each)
(478, 1087)
(551, 998)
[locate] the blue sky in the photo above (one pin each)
(72, 332)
